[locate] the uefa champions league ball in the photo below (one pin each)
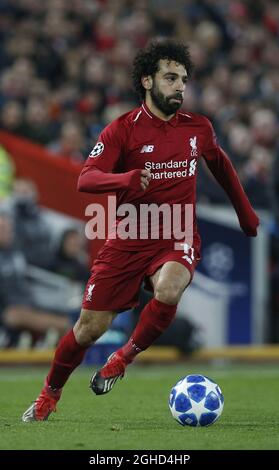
(196, 401)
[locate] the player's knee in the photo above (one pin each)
(87, 333)
(91, 326)
(168, 293)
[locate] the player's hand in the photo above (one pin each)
(250, 224)
(138, 179)
(145, 179)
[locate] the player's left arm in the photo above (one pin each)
(222, 169)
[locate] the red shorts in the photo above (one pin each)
(117, 275)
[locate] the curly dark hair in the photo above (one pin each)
(146, 61)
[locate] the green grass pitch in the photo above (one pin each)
(135, 414)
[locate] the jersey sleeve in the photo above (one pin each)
(99, 174)
(210, 137)
(107, 152)
(222, 169)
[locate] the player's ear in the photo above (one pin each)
(147, 82)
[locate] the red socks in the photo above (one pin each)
(154, 320)
(68, 355)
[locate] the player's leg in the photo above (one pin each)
(168, 282)
(68, 355)
(71, 350)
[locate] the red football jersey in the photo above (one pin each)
(170, 150)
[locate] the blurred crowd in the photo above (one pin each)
(39, 270)
(65, 73)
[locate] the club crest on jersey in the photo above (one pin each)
(193, 145)
(97, 150)
(90, 292)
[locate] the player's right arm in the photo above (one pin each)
(98, 175)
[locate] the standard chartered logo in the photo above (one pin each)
(171, 169)
(192, 168)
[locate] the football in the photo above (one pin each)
(196, 400)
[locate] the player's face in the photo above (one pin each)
(168, 87)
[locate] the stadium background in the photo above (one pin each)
(64, 74)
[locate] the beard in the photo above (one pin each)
(164, 103)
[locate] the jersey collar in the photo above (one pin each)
(156, 121)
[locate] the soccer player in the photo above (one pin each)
(148, 155)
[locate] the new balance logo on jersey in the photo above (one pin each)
(147, 149)
(193, 145)
(90, 292)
